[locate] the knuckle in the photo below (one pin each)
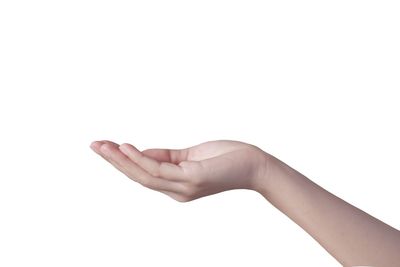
(145, 182)
(196, 182)
(190, 192)
(152, 173)
(182, 199)
(163, 168)
(155, 173)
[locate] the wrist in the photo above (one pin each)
(262, 175)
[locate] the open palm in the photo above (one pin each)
(190, 173)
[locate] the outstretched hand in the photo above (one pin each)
(216, 166)
(190, 173)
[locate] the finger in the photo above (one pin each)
(135, 172)
(174, 156)
(177, 197)
(95, 146)
(156, 168)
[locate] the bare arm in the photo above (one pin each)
(352, 236)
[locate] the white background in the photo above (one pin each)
(312, 82)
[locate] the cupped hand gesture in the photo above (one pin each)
(190, 173)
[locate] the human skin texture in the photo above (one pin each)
(350, 235)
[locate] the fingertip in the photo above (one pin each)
(95, 145)
(105, 148)
(109, 142)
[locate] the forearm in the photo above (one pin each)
(350, 235)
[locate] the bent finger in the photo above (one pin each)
(174, 156)
(135, 172)
(156, 168)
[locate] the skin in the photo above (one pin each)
(352, 236)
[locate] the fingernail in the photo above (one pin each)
(105, 149)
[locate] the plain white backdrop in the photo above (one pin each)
(314, 83)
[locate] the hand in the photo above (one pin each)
(190, 173)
